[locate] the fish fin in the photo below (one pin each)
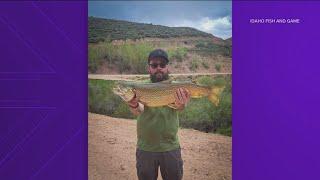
(173, 106)
(214, 95)
(123, 94)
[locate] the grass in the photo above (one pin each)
(205, 65)
(194, 65)
(217, 67)
(177, 54)
(206, 80)
(210, 48)
(126, 57)
(103, 101)
(200, 113)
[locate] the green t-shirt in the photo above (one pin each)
(157, 129)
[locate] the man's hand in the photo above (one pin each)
(133, 102)
(135, 107)
(182, 97)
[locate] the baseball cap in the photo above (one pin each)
(158, 53)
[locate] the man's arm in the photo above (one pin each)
(182, 97)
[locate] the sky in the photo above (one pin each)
(209, 16)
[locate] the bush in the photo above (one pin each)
(103, 101)
(217, 67)
(201, 44)
(194, 65)
(223, 112)
(209, 48)
(179, 54)
(198, 115)
(209, 81)
(202, 115)
(206, 81)
(126, 57)
(225, 131)
(205, 64)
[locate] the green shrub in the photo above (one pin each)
(223, 112)
(210, 81)
(217, 67)
(178, 54)
(126, 57)
(205, 64)
(209, 48)
(206, 80)
(201, 44)
(225, 131)
(198, 115)
(193, 65)
(202, 115)
(103, 101)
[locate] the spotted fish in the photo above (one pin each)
(162, 93)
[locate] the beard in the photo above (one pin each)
(159, 76)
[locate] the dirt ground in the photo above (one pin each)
(112, 145)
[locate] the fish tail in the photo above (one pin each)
(214, 94)
(125, 94)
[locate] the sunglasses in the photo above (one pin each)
(154, 66)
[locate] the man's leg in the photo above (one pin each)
(171, 165)
(147, 165)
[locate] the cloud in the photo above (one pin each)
(220, 27)
(207, 24)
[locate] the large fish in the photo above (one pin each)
(162, 93)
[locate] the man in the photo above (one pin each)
(158, 144)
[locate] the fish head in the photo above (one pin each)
(125, 92)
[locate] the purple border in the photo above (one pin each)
(43, 94)
(276, 92)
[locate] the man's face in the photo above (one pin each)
(158, 69)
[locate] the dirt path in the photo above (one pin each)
(112, 144)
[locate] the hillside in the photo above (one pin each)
(108, 30)
(229, 41)
(122, 47)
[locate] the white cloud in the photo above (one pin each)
(220, 27)
(207, 24)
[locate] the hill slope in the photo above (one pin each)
(122, 47)
(108, 29)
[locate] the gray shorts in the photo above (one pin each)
(170, 163)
